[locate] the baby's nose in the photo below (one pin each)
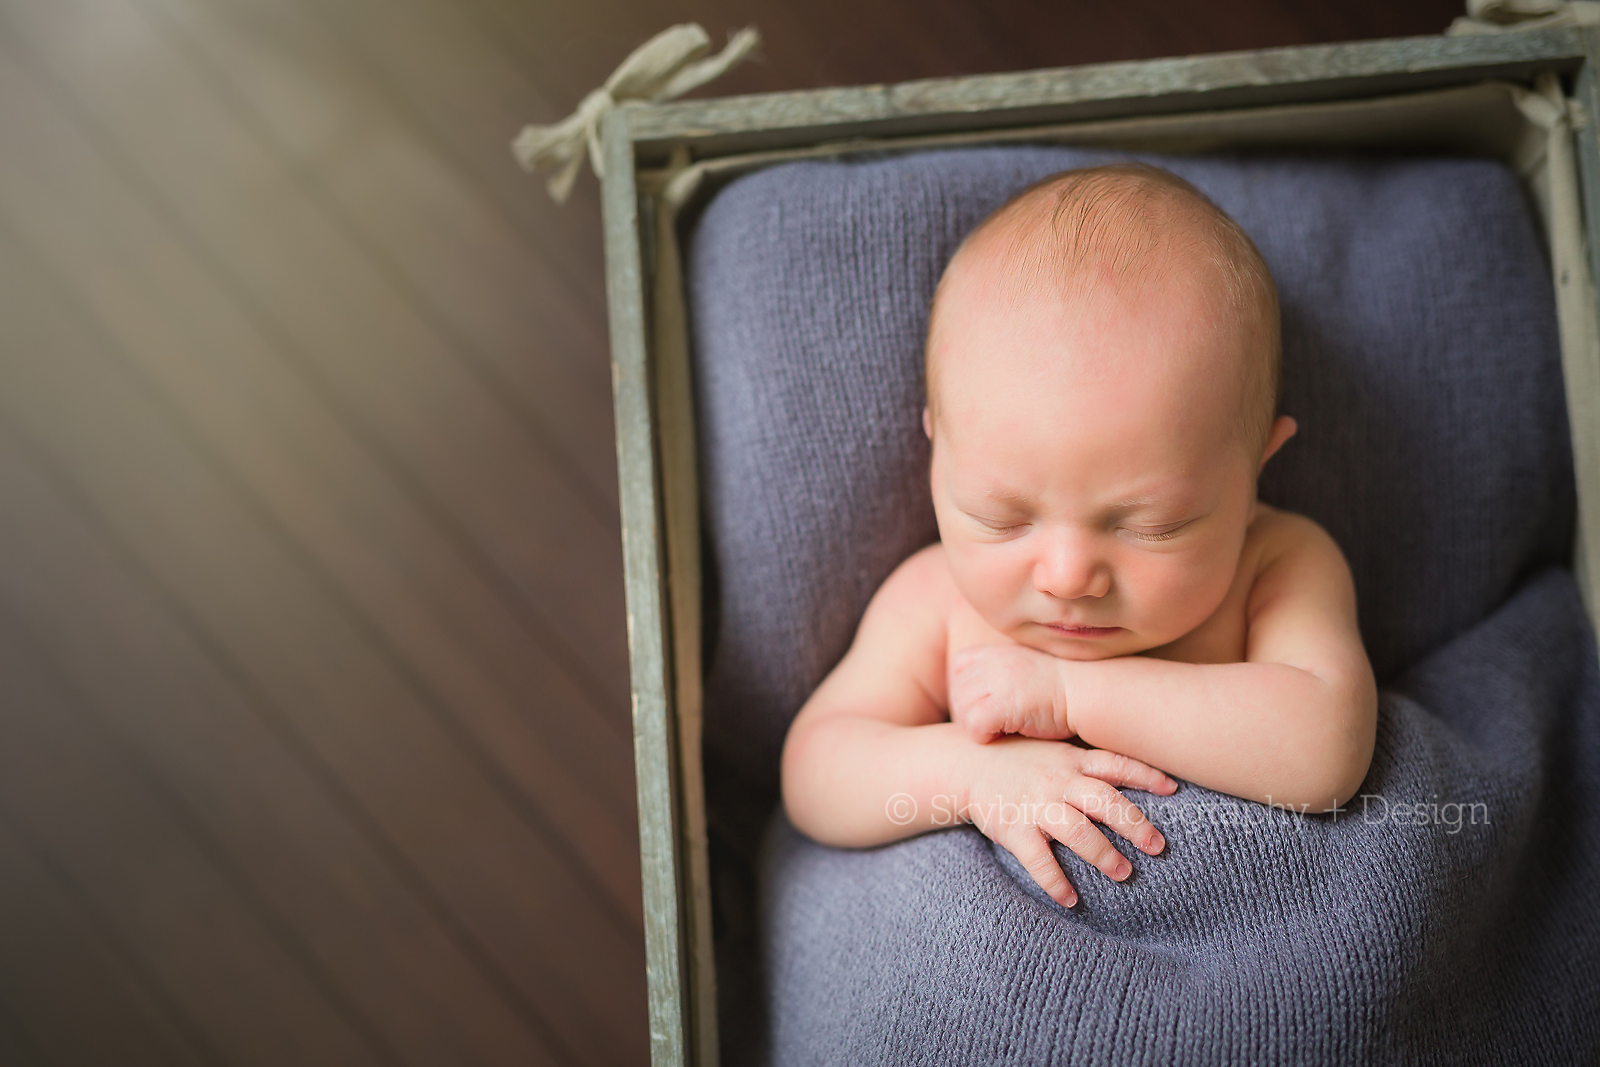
(1070, 567)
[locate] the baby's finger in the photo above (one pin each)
(979, 726)
(1105, 804)
(975, 718)
(1118, 769)
(1032, 848)
(1073, 829)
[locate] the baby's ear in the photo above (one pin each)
(927, 423)
(1282, 429)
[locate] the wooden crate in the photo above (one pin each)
(1417, 94)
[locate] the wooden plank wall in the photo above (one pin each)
(314, 738)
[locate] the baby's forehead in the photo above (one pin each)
(1151, 338)
(1036, 246)
(1028, 290)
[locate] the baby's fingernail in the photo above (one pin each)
(1121, 870)
(1071, 901)
(1155, 844)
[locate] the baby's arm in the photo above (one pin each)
(1292, 725)
(871, 757)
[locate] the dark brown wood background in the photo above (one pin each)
(314, 738)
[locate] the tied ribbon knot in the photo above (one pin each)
(1498, 16)
(665, 67)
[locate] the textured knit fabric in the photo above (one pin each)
(1421, 363)
(1462, 928)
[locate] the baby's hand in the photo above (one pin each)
(1025, 792)
(1008, 689)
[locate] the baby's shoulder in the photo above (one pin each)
(919, 588)
(1276, 531)
(908, 617)
(1285, 544)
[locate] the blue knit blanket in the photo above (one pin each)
(1451, 914)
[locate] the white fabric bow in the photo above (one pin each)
(664, 67)
(1497, 16)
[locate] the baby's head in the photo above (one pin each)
(1102, 371)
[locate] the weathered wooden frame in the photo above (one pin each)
(644, 145)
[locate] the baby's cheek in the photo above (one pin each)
(1170, 595)
(992, 581)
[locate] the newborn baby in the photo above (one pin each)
(1108, 599)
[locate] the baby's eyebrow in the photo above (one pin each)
(1166, 508)
(1135, 503)
(999, 502)
(1001, 495)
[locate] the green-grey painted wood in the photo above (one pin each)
(1106, 90)
(1586, 92)
(654, 752)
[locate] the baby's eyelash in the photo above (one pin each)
(1162, 536)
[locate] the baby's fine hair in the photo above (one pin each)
(1133, 218)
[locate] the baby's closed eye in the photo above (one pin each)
(999, 525)
(1158, 533)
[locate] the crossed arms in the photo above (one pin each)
(897, 740)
